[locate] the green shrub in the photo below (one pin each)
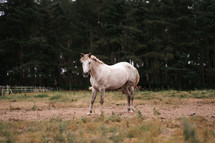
(41, 96)
(139, 114)
(55, 97)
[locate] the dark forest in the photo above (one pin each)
(170, 42)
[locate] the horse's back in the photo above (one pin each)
(125, 65)
(129, 68)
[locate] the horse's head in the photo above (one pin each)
(86, 61)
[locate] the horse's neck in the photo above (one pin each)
(95, 69)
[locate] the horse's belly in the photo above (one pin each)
(115, 84)
(111, 87)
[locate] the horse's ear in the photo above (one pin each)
(82, 54)
(89, 55)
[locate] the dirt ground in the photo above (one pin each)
(20, 110)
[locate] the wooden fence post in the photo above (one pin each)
(2, 91)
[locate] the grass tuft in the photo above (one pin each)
(114, 118)
(139, 114)
(34, 107)
(55, 97)
(40, 96)
(156, 112)
(84, 120)
(189, 132)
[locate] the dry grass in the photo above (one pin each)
(107, 129)
(113, 127)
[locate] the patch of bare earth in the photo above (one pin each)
(43, 111)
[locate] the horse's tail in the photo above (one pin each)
(90, 88)
(137, 78)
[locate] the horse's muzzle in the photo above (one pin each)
(85, 74)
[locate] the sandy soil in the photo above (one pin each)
(23, 111)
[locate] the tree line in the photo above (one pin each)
(170, 42)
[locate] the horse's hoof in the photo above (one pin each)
(131, 111)
(89, 113)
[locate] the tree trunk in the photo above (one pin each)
(91, 41)
(202, 69)
(179, 82)
(20, 64)
(112, 56)
(70, 83)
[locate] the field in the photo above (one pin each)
(159, 117)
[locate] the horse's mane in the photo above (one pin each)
(96, 59)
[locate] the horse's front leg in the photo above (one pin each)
(102, 91)
(94, 93)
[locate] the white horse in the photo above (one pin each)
(105, 77)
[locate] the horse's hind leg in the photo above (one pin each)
(131, 88)
(94, 93)
(126, 91)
